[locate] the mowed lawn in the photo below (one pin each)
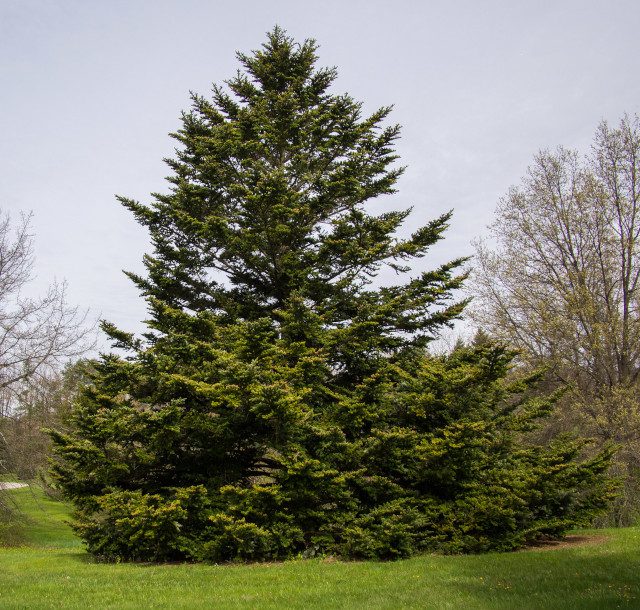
(51, 570)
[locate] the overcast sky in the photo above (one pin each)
(89, 90)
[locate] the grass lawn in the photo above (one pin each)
(51, 570)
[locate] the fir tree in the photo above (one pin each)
(280, 403)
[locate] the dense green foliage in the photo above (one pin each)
(280, 404)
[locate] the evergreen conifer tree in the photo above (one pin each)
(280, 403)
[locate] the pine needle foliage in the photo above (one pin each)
(282, 404)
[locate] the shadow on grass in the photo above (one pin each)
(81, 557)
(602, 580)
(12, 533)
(84, 557)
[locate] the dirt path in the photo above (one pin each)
(8, 485)
(568, 541)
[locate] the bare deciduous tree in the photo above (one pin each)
(36, 334)
(559, 277)
(37, 337)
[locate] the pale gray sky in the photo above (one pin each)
(89, 90)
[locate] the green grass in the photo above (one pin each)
(41, 521)
(51, 570)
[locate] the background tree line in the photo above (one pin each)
(559, 279)
(41, 340)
